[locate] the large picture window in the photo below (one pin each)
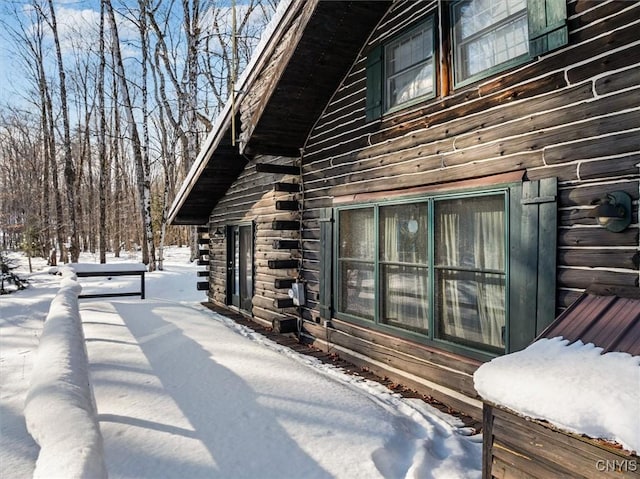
(435, 267)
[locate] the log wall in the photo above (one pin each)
(573, 114)
(517, 447)
(253, 198)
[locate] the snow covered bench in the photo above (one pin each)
(86, 270)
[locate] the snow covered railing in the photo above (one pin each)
(85, 270)
(60, 410)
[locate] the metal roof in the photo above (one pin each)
(607, 316)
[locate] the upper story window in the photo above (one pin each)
(402, 71)
(488, 35)
(409, 66)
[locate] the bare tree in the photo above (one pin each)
(102, 145)
(142, 173)
(137, 122)
(69, 168)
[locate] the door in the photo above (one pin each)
(240, 266)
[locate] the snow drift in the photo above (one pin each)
(60, 394)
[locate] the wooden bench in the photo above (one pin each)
(88, 270)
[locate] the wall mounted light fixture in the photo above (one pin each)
(613, 211)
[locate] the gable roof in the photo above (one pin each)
(293, 84)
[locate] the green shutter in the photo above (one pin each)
(532, 260)
(326, 263)
(374, 84)
(547, 25)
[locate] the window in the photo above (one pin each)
(401, 71)
(468, 272)
(409, 66)
(488, 35)
(384, 252)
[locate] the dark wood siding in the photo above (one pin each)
(515, 446)
(253, 198)
(573, 114)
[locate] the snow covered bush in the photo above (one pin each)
(60, 410)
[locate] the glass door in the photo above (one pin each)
(240, 266)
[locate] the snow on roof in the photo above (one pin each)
(573, 386)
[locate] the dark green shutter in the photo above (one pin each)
(532, 260)
(374, 84)
(326, 263)
(547, 25)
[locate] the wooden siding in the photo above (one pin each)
(573, 114)
(517, 447)
(253, 198)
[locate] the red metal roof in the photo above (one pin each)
(608, 317)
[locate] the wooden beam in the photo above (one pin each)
(283, 263)
(286, 244)
(279, 169)
(287, 205)
(281, 303)
(284, 325)
(281, 283)
(287, 187)
(285, 225)
(204, 286)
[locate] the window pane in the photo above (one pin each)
(357, 234)
(488, 33)
(470, 265)
(409, 66)
(470, 307)
(470, 233)
(405, 297)
(413, 83)
(357, 289)
(403, 233)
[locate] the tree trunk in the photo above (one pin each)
(141, 175)
(102, 148)
(69, 169)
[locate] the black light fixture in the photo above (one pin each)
(613, 211)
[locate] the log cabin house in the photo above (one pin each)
(413, 184)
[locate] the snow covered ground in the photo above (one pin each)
(184, 392)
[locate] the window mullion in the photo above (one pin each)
(376, 267)
(430, 268)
